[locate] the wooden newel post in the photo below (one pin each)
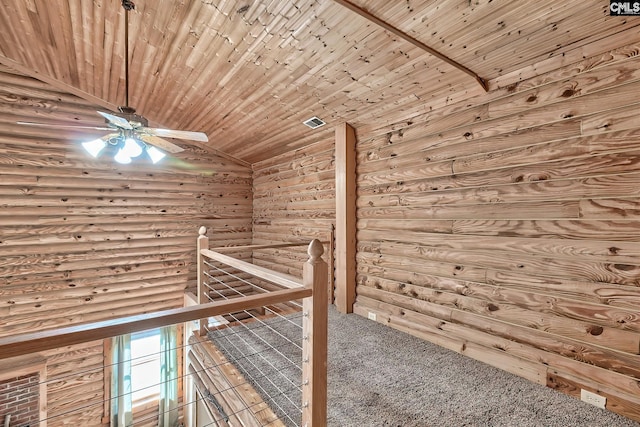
(203, 243)
(314, 339)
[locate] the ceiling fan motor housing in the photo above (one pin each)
(129, 114)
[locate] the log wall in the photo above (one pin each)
(504, 227)
(76, 385)
(293, 200)
(83, 240)
(507, 228)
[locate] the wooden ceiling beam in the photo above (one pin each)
(367, 15)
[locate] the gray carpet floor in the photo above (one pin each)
(381, 377)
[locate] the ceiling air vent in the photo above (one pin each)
(314, 122)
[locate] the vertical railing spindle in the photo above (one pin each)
(203, 243)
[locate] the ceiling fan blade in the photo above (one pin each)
(116, 120)
(109, 136)
(56, 126)
(180, 134)
(163, 144)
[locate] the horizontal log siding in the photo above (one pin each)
(83, 240)
(293, 200)
(508, 228)
(76, 385)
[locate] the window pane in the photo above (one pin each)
(145, 365)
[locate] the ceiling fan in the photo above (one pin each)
(129, 133)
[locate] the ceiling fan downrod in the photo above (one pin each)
(127, 5)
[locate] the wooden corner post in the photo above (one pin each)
(345, 274)
(314, 339)
(203, 243)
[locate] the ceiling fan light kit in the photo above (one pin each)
(127, 147)
(94, 147)
(131, 148)
(121, 157)
(155, 154)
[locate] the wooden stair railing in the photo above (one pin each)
(312, 290)
(315, 314)
(46, 340)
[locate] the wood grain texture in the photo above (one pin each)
(294, 200)
(278, 64)
(58, 205)
(572, 385)
(78, 334)
(75, 382)
(238, 398)
(502, 224)
(345, 206)
(84, 240)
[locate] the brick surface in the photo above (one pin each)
(19, 398)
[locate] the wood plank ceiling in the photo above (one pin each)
(249, 72)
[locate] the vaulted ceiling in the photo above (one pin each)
(249, 72)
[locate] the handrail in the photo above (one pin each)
(262, 246)
(281, 279)
(312, 290)
(47, 340)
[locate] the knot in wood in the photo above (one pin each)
(595, 330)
(202, 231)
(315, 250)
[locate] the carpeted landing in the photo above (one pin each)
(382, 377)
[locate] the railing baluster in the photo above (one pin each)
(202, 243)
